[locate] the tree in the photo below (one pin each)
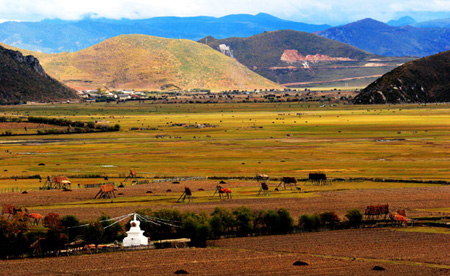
(354, 218)
(309, 222)
(329, 219)
(94, 233)
(196, 227)
(111, 231)
(224, 219)
(272, 221)
(68, 222)
(244, 220)
(286, 221)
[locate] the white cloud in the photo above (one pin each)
(321, 11)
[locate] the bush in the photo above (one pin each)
(329, 219)
(160, 231)
(286, 221)
(272, 221)
(71, 221)
(196, 227)
(354, 218)
(93, 233)
(309, 222)
(111, 232)
(244, 220)
(221, 222)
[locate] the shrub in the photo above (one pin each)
(272, 221)
(329, 219)
(71, 221)
(161, 231)
(221, 222)
(111, 231)
(309, 222)
(354, 218)
(196, 227)
(93, 233)
(286, 221)
(244, 220)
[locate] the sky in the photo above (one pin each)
(333, 12)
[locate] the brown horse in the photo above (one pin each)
(223, 192)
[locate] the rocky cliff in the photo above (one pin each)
(23, 79)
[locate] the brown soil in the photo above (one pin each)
(271, 255)
(413, 200)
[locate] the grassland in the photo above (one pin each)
(396, 142)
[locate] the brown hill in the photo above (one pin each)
(23, 79)
(419, 81)
(151, 63)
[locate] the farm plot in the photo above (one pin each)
(368, 245)
(273, 255)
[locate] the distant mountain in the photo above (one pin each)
(438, 23)
(382, 39)
(23, 79)
(403, 21)
(150, 63)
(420, 81)
(298, 58)
(55, 36)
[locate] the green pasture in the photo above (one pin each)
(235, 139)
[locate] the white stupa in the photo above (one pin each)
(135, 237)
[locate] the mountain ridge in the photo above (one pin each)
(23, 79)
(379, 38)
(144, 62)
(420, 81)
(55, 36)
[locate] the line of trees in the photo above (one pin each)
(19, 239)
(72, 126)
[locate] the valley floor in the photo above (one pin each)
(343, 252)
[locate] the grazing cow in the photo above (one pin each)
(318, 179)
(289, 181)
(264, 189)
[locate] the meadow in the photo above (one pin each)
(408, 142)
(407, 145)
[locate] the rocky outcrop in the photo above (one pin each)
(420, 81)
(23, 79)
(31, 61)
(292, 56)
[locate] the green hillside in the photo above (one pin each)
(150, 63)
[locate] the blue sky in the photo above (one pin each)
(318, 12)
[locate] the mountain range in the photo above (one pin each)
(150, 63)
(420, 81)
(401, 37)
(381, 39)
(23, 79)
(55, 36)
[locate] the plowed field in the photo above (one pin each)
(349, 252)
